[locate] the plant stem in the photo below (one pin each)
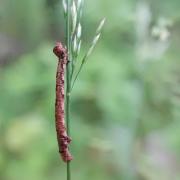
(68, 83)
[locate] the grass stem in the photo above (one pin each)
(68, 44)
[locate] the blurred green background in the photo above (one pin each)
(125, 110)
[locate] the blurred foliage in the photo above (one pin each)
(125, 104)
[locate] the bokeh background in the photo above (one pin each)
(125, 109)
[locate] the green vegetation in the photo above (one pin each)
(125, 104)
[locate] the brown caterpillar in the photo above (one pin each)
(62, 137)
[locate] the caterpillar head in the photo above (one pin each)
(59, 50)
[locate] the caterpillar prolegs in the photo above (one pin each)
(62, 137)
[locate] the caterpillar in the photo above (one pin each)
(62, 137)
